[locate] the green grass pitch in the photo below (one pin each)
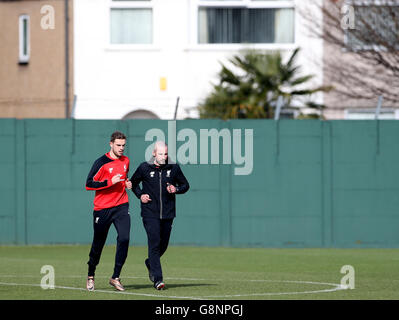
(203, 273)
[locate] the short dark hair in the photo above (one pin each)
(117, 135)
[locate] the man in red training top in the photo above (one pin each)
(109, 178)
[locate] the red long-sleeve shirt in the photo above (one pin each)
(108, 195)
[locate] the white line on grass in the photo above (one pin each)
(103, 291)
(125, 277)
(337, 287)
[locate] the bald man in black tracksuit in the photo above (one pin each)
(161, 181)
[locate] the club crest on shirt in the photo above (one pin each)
(110, 170)
(152, 174)
(168, 173)
(124, 167)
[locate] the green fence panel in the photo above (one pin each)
(365, 183)
(307, 183)
(8, 174)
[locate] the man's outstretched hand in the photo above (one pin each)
(117, 178)
(171, 188)
(128, 184)
(145, 198)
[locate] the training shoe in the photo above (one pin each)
(116, 283)
(150, 275)
(159, 285)
(90, 284)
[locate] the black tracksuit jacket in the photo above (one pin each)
(154, 181)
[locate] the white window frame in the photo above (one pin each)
(250, 4)
(131, 46)
(22, 57)
(348, 47)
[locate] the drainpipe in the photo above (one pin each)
(66, 59)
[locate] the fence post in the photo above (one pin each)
(326, 181)
(225, 178)
(20, 167)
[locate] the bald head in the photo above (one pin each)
(160, 144)
(160, 152)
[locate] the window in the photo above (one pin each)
(131, 22)
(24, 39)
(376, 27)
(245, 21)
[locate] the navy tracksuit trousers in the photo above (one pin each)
(102, 220)
(158, 234)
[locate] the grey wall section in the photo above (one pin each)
(313, 183)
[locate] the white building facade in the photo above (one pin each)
(136, 59)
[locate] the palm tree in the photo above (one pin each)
(252, 91)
